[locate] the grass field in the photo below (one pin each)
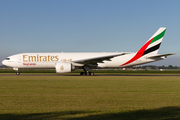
(89, 97)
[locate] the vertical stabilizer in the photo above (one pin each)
(153, 44)
(151, 47)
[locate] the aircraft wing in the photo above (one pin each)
(94, 61)
(163, 56)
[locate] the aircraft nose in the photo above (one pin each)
(4, 62)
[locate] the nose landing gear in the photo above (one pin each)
(17, 71)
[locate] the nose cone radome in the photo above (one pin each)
(4, 62)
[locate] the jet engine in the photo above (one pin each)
(64, 67)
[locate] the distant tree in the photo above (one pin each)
(170, 67)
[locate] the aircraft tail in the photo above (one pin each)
(151, 47)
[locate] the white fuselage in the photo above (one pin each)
(48, 60)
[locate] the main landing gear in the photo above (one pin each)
(86, 71)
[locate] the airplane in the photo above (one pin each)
(67, 62)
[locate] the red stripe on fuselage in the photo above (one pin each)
(139, 53)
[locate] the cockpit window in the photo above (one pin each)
(7, 59)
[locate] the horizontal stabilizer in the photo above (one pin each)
(163, 56)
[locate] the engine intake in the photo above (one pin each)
(64, 67)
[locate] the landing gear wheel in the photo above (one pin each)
(87, 73)
(91, 73)
(82, 73)
(17, 73)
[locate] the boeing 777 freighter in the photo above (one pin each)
(66, 62)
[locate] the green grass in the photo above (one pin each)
(89, 97)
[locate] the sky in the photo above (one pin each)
(88, 26)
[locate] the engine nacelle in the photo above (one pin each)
(64, 67)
